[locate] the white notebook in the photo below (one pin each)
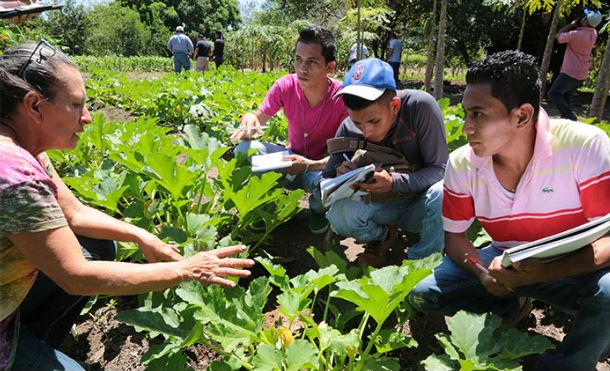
(268, 162)
(341, 187)
(557, 245)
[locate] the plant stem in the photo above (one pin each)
(365, 355)
(326, 306)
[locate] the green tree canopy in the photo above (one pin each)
(124, 35)
(197, 16)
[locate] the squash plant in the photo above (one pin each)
(231, 321)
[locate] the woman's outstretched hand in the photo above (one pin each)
(213, 266)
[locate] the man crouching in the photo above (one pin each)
(402, 133)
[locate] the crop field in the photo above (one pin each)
(157, 155)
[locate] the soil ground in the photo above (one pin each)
(106, 344)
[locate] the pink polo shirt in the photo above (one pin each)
(308, 127)
(576, 59)
(566, 184)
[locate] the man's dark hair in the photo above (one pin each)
(513, 76)
(354, 103)
(315, 34)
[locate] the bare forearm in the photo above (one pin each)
(89, 222)
(262, 117)
(117, 278)
(318, 165)
(587, 260)
(457, 247)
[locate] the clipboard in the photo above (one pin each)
(27, 9)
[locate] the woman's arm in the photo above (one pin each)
(57, 253)
(89, 222)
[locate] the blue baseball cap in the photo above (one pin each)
(594, 17)
(368, 79)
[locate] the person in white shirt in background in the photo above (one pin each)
(393, 53)
(353, 53)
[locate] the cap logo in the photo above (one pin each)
(358, 72)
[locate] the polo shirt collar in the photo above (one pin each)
(542, 146)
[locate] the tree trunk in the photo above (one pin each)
(440, 53)
(602, 86)
(430, 62)
(522, 30)
(359, 35)
(548, 49)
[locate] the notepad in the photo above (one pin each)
(338, 188)
(269, 162)
(560, 244)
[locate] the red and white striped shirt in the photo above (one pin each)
(566, 183)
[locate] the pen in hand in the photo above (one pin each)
(349, 161)
(476, 264)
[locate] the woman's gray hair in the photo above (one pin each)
(28, 67)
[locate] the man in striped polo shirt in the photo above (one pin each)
(524, 177)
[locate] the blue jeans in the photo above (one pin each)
(561, 93)
(367, 222)
(309, 180)
(450, 288)
(181, 60)
(47, 314)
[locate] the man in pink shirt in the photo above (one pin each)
(313, 116)
(524, 177)
(579, 37)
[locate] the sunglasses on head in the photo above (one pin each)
(45, 51)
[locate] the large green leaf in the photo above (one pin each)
(481, 342)
(301, 354)
(267, 358)
(380, 293)
(390, 339)
(231, 316)
(439, 363)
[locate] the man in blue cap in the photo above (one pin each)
(579, 38)
(402, 132)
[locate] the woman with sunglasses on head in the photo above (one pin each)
(55, 251)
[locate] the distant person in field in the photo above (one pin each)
(54, 250)
(181, 47)
(313, 116)
(219, 49)
(579, 37)
(524, 177)
(202, 54)
(403, 134)
(353, 53)
(394, 55)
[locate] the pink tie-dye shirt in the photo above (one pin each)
(28, 203)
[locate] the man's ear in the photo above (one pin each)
(330, 66)
(395, 103)
(31, 106)
(524, 114)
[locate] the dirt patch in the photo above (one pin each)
(114, 113)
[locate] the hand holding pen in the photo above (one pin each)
(345, 166)
(250, 127)
(490, 283)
